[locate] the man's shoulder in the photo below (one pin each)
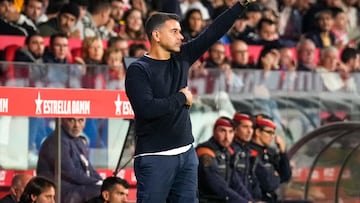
(95, 200)
(7, 199)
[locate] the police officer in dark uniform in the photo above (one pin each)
(271, 166)
(250, 188)
(217, 182)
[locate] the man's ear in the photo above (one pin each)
(105, 194)
(155, 35)
(13, 191)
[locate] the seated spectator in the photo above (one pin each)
(114, 59)
(238, 31)
(59, 75)
(39, 190)
(12, 22)
(33, 9)
(305, 50)
(97, 20)
(322, 36)
(240, 55)
(79, 179)
(341, 22)
(217, 180)
(33, 52)
(134, 26)
(120, 44)
(217, 56)
(63, 23)
(350, 57)
(266, 34)
(192, 24)
(289, 21)
(17, 187)
(78, 29)
(286, 60)
(117, 13)
(113, 190)
(268, 59)
(92, 53)
(137, 50)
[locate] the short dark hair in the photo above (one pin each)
(96, 6)
(57, 35)
(348, 53)
(28, 38)
(157, 20)
(136, 46)
(265, 21)
(110, 182)
(36, 186)
(26, 2)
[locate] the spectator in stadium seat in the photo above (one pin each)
(268, 59)
(217, 57)
(192, 24)
(322, 36)
(59, 74)
(117, 13)
(32, 51)
(12, 22)
(305, 50)
(240, 55)
(51, 11)
(92, 54)
(350, 57)
(113, 190)
(120, 44)
(39, 190)
(134, 26)
(64, 23)
(17, 187)
(114, 59)
(266, 34)
(33, 9)
(78, 30)
(137, 50)
(79, 179)
(97, 21)
(289, 21)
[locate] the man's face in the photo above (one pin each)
(267, 32)
(33, 10)
(244, 131)
(36, 46)
(60, 47)
(306, 53)
(224, 135)
(118, 194)
(66, 22)
(73, 126)
(239, 52)
(18, 189)
(325, 21)
(266, 135)
(169, 36)
(330, 60)
(217, 53)
(105, 16)
(117, 10)
(4, 7)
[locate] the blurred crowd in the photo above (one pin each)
(272, 35)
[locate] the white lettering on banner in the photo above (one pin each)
(62, 107)
(4, 105)
(2, 175)
(122, 107)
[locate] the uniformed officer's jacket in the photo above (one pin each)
(271, 169)
(241, 165)
(216, 178)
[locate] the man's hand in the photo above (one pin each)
(188, 95)
(280, 144)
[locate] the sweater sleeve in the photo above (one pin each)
(197, 47)
(140, 94)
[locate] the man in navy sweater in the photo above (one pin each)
(165, 161)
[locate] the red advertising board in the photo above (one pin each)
(41, 102)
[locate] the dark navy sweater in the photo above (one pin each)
(162, 119)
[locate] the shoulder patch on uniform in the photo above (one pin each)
(205, 151)
(206, 160)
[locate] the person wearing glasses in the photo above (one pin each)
(271, 166)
